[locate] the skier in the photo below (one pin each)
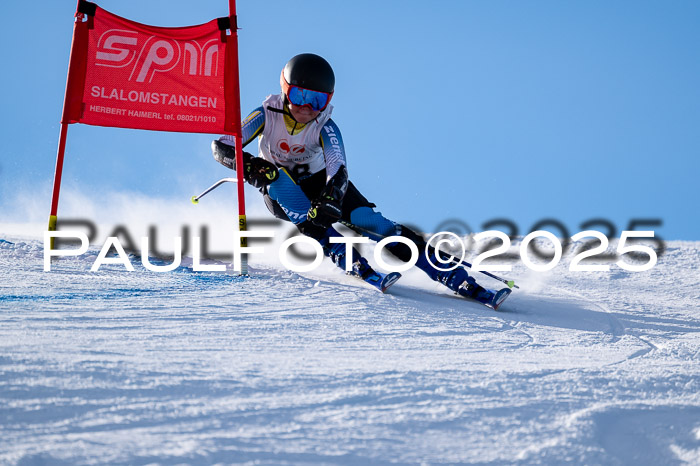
(302, 173)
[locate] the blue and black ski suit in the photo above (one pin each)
(308, 157)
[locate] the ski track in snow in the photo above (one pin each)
(281, 368)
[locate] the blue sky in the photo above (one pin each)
(464, 110)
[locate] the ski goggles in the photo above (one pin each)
(299, 96)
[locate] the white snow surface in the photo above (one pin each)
(185, 367)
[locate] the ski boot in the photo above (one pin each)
(360, 267)
(489, 298)
(459, 281)
(380, 281)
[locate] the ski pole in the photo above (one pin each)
(195, 199)
(443, 255)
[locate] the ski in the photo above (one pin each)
(381, 281)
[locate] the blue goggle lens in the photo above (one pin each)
(300, 96)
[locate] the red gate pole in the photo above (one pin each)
(77, 46)
(237, 131)
(58, 172)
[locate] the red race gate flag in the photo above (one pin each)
(131, 75)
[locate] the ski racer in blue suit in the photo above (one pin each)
(302, 173)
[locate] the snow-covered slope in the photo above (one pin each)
(285, 368)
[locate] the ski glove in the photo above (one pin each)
(326, 208)
(324, 211)
(259, 172)
(256, 171)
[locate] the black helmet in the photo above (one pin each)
(309, 71)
